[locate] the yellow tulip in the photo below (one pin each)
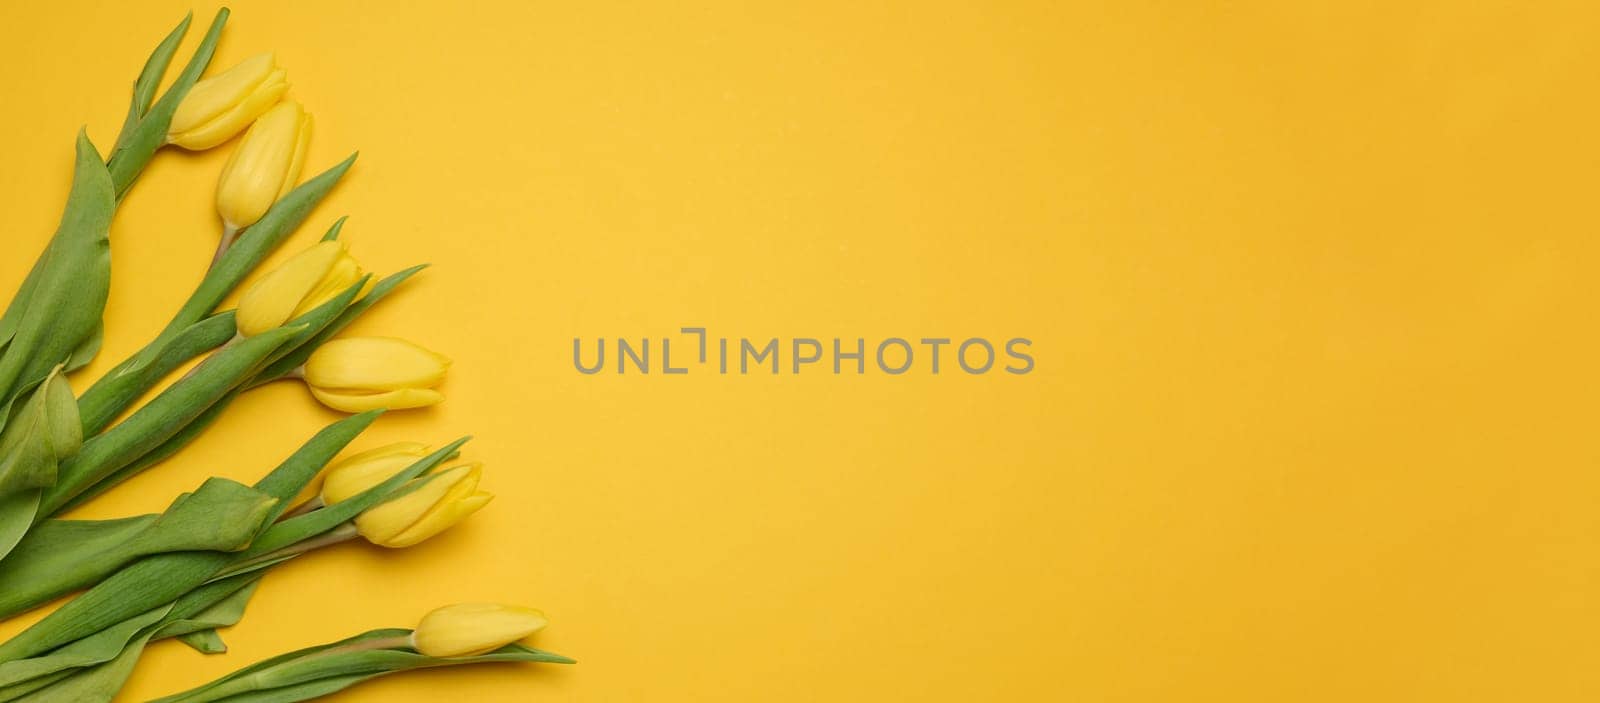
(433, 504)
(365, 373)
(305, 281)
(358, 472)
(223, 105)
(264, 167)
(470, 629)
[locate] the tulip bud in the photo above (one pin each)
(365, 373)
(358, 472)
(470, 629)
(223, 105)
(433, 504)
(305, 281)
(265, 166)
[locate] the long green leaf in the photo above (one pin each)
(144, 87)
(121, 386)
(161, 578)
(164, 451)
(61, 556)
(310, 324)
(217, 604)
(87, 349)
(162, 417)
(141, 143)
(88, 651)
(16, 516)
(97, 684)
(69, 295)
(295, 676)
(200, 631)
(44, 432)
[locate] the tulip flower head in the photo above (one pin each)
(223, 105)
(424, 507)
(358, 472)
(356, 374)
(264, 167)
(302, 283)
(470, 629)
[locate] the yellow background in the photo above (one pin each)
(1310, 287)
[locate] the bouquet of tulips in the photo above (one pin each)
(191, 569)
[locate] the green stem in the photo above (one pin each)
(338, 535)
(228, 234)
(254, 681)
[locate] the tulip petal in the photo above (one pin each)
(357, 402)
(255, 172)
(215, 95)
(275, 299)
(236, 118)
(385, 521)
(439, 520)
(359, 472)
(468, 629)
(446, 511)
(374, 364)
(297, 161)
(343, 274)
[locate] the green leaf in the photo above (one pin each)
(163, 417)
(292, 476)
(173, 445)
(61, 556)
(136, 588)
(139, 144)
(301, 692)
(217, 604)
(86, 351)
(19, 301)
(16, 516)
(333, 232)
(296, 676)
(204, 641)
(200, 631)
(89, 651)
(97, 684)
(44, 432)
(144, 88)
(16, 692)
(222, 515)
(55, 548)
(266, 664)
(69, 294)
(121, 386)
(161, 578)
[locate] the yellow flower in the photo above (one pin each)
(305, 281)
(223, 105)
(364, 373)
(433, 504)
(265, 166)
(358, 472)
(470, 629)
